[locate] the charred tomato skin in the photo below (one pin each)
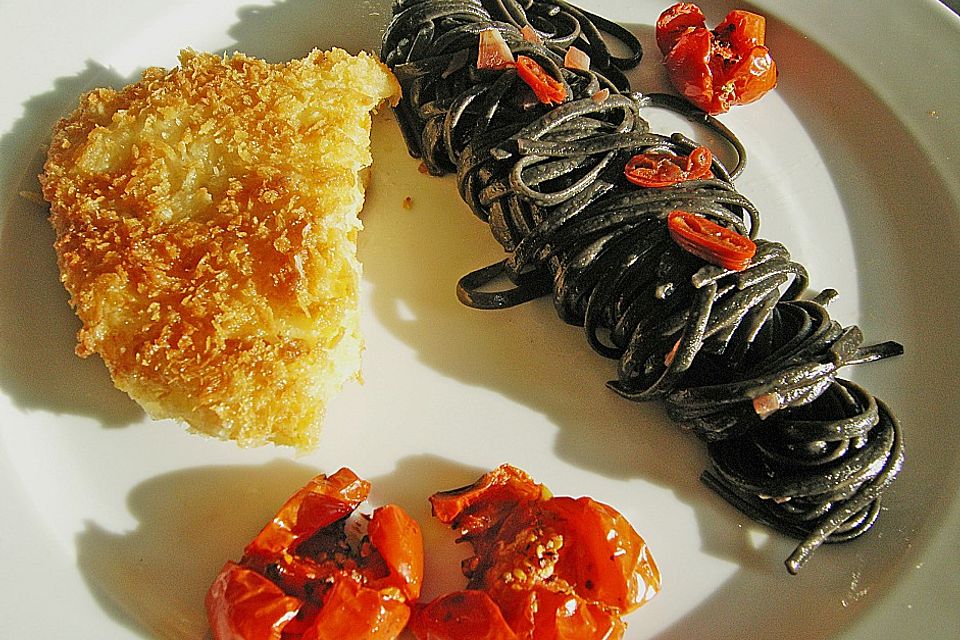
(554, 568)
(299, 578)
(716, 70)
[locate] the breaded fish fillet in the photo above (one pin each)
(206, 222)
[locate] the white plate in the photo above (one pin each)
(112, 526)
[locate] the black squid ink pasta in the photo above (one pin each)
(740, 358)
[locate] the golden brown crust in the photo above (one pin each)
(206, 222)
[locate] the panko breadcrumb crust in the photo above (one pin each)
(206, 221)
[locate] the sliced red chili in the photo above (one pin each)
(710, 241)
(654, 169)
(548, 89)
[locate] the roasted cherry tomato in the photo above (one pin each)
(548, 89)
(665, 169)
(677, 21)
(241, 603)
(352, 611)
(321, 502)
(708, 240)
(304, 578)
(717, 69)
(461, 615)
(477, 508)
(396, 538)
(554, 567)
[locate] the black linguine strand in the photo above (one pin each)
(738, 357)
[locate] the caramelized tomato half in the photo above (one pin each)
(715, 70)
(311, 574)
(552, 567)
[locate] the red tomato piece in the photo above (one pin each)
(654, 169)
(716, 69)
(688, 66)
(742, 29)
(304, 578)
(748, 79)
(397, 538)
(548, 89)
(475, 509)
(541, 613)
(242, 604)
(556, 568)
(603, 556)
(461, 615)
(351, 611)
(710, 241)
(675, 22)
(321, 502)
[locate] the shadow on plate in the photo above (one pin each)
(38, 367)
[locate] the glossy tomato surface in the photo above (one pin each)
(554, 567)
(312, 573)
(716, 70)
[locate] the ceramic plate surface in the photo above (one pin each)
(113, 525)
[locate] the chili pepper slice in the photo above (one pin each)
(654, 169)
(548, 89)
(710, 241)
